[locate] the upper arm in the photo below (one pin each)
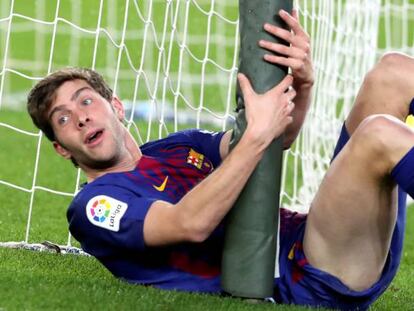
(225, 144)
(106, 218)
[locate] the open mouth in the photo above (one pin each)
(93, 137)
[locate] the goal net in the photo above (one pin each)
(173, 63)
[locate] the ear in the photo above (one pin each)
(62, 150)
(118, 107)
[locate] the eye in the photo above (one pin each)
(87, 101)
(62, 120)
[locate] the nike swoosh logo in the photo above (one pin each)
(162, 186)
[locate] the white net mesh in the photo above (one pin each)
(173, 63)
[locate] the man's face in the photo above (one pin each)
(87, 127)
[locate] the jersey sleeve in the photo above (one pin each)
(208, 143)
(108, 219)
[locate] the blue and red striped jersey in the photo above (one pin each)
(107, 215)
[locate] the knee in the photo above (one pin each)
(378, 123)
(377, 133)
(393, 60)
(390, 68)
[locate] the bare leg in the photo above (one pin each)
(352, 217)
(387, 89)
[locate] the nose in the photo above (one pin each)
(83, 120)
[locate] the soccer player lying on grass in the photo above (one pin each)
(154, 214)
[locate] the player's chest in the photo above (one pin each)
(171, 176)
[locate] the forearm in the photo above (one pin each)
(302, 103)
(204, 207)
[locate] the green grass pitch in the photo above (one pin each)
(42, 281)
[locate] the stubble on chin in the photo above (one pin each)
(104, 161)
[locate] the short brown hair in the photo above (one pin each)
(43, 94)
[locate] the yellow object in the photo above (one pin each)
(410, 121)
(292, 252)
(161, 187)
(195, 158)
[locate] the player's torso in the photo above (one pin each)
(169, 174)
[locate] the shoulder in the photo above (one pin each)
(95, 203)
(188, 137)
(204, 142)
(107, 186)
(106, 203)
(113, 191)
(105, 214)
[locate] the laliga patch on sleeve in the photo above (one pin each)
(106, 212)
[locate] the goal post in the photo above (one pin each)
(250, 242)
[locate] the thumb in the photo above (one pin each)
(245, 85)
(283, 85)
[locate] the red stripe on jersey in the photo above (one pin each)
(149, 167)
(302, 262)
(182, 178)
(186, 168)
(297, 274)
(183, 262)
(149, 176)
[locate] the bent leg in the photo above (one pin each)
(387, 89)
(352, 217)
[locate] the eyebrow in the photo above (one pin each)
(56, 109)
(74, 96)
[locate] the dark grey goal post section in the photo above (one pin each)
(248, 263)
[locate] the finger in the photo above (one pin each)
(295, 14)
(292, 22)
(245, 85)
(283, 85)
(300, 46)
(288, 121)
(290, 51)
(279, 32)
(289, 107)
(294, 64)
(302, 42)
(290, 95)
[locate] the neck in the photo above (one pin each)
(127, 162)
